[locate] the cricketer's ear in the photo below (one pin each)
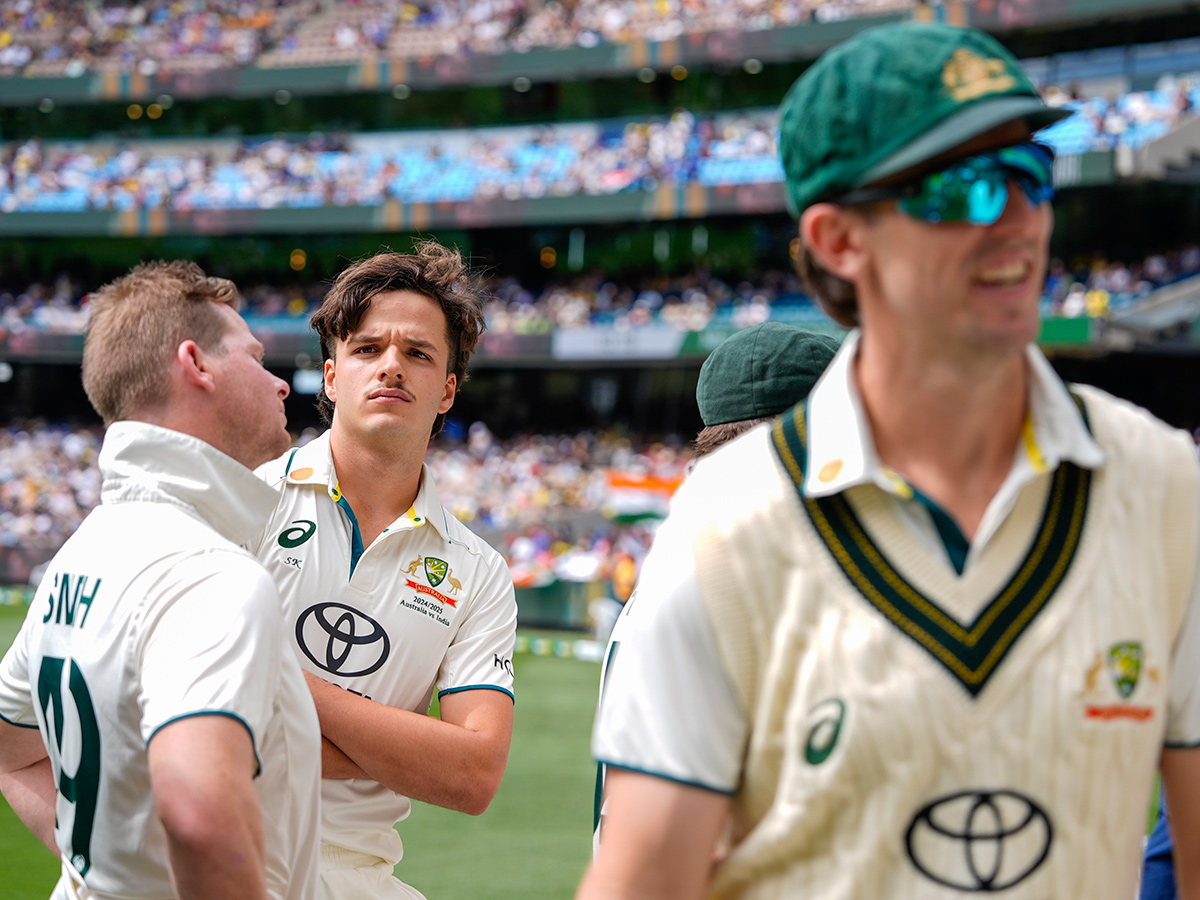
(330, 380)
(191, 366)
(838, 238)
(449, 392)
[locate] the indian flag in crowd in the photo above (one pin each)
(636, 496)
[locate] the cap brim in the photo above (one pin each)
(960, 128)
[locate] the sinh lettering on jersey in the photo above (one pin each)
(73, 592)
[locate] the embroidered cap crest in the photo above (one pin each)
(967, 76)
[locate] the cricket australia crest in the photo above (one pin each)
(435, 570)
(1125, 665)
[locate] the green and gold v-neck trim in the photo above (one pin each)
(970, 652)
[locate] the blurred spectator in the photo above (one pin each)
(63, 37)
(694, 301)
(48, 482)
(1098, 287)
(368, 168)
(541, 499)
(472, 165)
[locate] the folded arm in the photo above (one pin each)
(27, 781)
(336, 764)
(456, 761)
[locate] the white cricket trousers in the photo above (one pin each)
(357, 876)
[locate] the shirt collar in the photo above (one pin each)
(312, 464)
(141, 462)
(841, 448)
(428, 506)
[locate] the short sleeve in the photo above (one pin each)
(667, 708)
(16, 689)
(211, 644)
(1183, 704)
(480, 657)
(1183, 701)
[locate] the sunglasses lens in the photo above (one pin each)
(1036, 192)
(1035, 161)
(986, 199)
(938, 198)
(976, 190)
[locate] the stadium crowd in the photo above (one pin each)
(1099, 287)
(48, 481)
(694, 301)
(61, 37)
(558, 506)
(367, 169)
(465, 165)
(459, 27)
(534, 495)
(54, 37)
(1132, 119)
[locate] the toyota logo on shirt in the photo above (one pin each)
(341, 640)
(980, 841)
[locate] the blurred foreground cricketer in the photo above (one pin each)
(157, 734)
(751, 377)
(388, 596)
(930, 633)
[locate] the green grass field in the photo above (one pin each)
(533, 842)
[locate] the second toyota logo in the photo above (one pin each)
(981, 841)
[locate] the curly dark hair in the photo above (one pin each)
(431, 270)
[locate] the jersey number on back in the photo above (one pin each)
(82, 788)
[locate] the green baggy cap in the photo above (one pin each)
(761, 371)
(893, 97)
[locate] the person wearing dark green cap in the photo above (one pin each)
(931, 632)
(754, 375)
(751, 377)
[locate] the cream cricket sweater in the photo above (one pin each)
(914, 733)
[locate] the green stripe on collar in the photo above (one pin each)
(970, 652)
(356, 541)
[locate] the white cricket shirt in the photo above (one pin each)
(427, 606)
(151, 613)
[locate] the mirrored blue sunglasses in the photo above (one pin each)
(974, 189)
